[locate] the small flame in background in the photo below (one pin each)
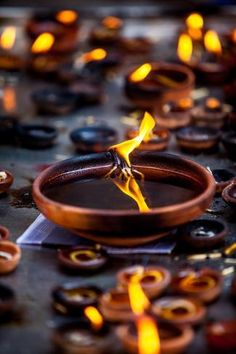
(94, 317)
(141, 73)
(212, 42)
(112, 22)
(67, 16)
(9, 99)
(195, 23)
(234, 35)
(95, 55)
(185, 48)
(8, 38)
(43, 43)
(212, 103)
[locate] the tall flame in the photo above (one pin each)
(212, 42)
(8, 37)
(148, 337)
(138, 300)
(185, 48)
(43, 43)
(141, 73)
(94, 316)
(66, 16)
(126, 147)
(9, 99)
(112, 22)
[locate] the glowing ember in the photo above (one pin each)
(8, 37)
(148, 337)
(66, 16)
(212, 42)
(43, 43)
(185, 48)
(9, 99)
(94, 316)
(141, 73)
(212, 103)
(112, 22)
(195, 21)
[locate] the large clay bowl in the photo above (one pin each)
(124, 227)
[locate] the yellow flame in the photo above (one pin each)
(234, 35)
(43, 43)
(230, 249)
(9, 99)
(95, 54)
(66, 16)
(126, 147)
(212, 42)
(185, 47)
(148, 337)
(195, 21)
(94, 317)
(112, 22)
(8, 37)
(138, 300)
(212, 103)
(141, 73)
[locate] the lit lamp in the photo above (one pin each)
(8, 60)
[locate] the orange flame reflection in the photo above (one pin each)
(185, 48)
(8, 37)
(66, 16)
(148, 337)
(112, 22)
(43, 43)
(94, 316)
(212, 42)
(141, 73)
(9, 99)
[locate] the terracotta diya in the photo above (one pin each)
(153, 279)
(107, 32)
(229, 142)
(135, 45)
(223, 178)
(198, 139)
(10, 255)
(179, 310)
(205, 284)
(87, 93)
(6, 180)
(35, 136)
(229, 194)
(82, 258)
(9, 61)
(7, 299)
(4, 233)
(204, 233)
(176, 114)
(152, 85)
(221, 336)
(157, 141)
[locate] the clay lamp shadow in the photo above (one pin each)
(223, 178)
(4, 233)
(152, 85)
(35, 136)
(135, 45)
(7, 301)
(106, 33)
(9, 61)
(229, 142)
(124, 216)
(180, 311)
(154, 279)
(82, 259)
(176, 114)
(198, 139)
(212, 113)
(6, 180)
(229, 194)
(90, 335)
(204, 233)
(71, 299)
(205, 284)
(10, 255)
(221, 336)
(93, 138)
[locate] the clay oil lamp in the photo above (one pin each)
(229, 142)
(233, 289)
(87, 93)
(223, 178)
(152, 85)
(229, 52)
(198, 139)
(10, 255)
(179, 310)
(135, 45)
(34, 136)
(6, 180)
(89, 335)
(56, 101)
(9, 61)
(229, 194)
(230, 92)
(204, 233)
(4, 233)
(71, 299)
(8, 124)
(176, 190)
(93, 138)
(153, 279)
(211, 114)
(205, 284)
(7, 300)
(221, 336)
(176, 114)
(107, 33)
(82, 259)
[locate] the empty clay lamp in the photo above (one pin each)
(54, 101)
(222, 336)
(6, 180)
(10, 255)
(171, 339)
(152, 85)
(46, 65)
(229, 142)
(87, 94)
(205, 284)
(198, 139)
(9, 61)
(153, 279)
(176, 114)
(107, 33)
(179, 310)
(7, 300)
(223, 178)
(135, 45)
(4, 233)
(229, 194)
(93, 138)
(204, 233)
(211, 114)
(82, 258)
(71, 299)
(34, 136)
